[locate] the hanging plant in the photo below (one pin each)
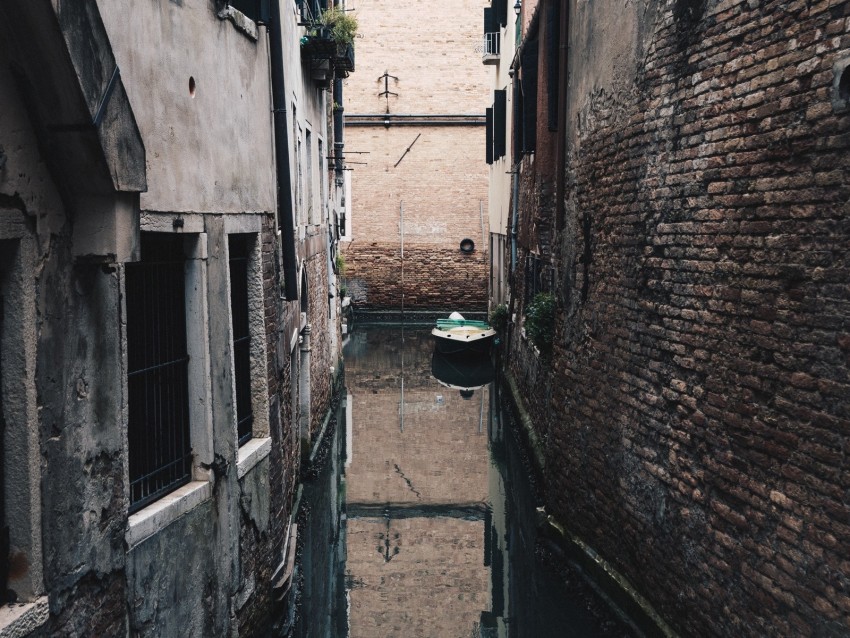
(342, 24)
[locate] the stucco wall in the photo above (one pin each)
(207, 152)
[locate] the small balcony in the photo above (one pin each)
(490, 48)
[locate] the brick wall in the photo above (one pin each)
(700, 392)
(435, 173)
(376, 277)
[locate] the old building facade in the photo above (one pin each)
(170, 342)
(415, 130)
(684, 208)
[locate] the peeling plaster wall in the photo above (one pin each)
(66, 318)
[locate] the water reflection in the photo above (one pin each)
(421, 520)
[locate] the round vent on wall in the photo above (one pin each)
(467, 246)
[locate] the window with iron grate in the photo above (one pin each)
(160, 453)
(240, 247)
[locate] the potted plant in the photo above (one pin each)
(343, 28)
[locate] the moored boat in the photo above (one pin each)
(456, 334)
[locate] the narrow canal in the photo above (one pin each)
(420, 510)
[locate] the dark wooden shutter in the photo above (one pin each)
(500, 8)
(517, 122)
(529, 93)
(500, 106)
(489, 21)
(489, 113)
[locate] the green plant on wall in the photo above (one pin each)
(342, 24)
(540, 322)
(340, 272)
(499, 318)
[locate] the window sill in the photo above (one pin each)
(21, 619)
(160, 514)
(252, 453)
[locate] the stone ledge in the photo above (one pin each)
(252, 453)
(240, 21)
(22, 619)
(158, 515)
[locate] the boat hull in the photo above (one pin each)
(456, 342)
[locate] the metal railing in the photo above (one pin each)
(490, 46)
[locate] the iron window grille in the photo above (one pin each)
(539, 277)
(160, 453)
(240, 252)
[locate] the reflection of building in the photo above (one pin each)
(415, 491)
(167, 344)
(417, 117)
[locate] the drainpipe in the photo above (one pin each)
(339, 140)
(281, 150)
(304, 391)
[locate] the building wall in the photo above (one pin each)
(57, 447)
(699, 379)
(424, 184)
(159, 46)
(80, 562)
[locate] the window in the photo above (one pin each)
(500, 105)
(240, 247)
(528, 124)
(489, 134)
(160, 455)
(539, 277)
(20, 471)
(323, 177)
(308, 140)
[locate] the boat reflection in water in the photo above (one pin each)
(421, 521)
(465, 372)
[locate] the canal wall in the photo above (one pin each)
(694, 410)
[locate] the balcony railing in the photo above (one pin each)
(489, 48)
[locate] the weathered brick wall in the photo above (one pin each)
(701, 397)
(441, 181)
(376, 277)
(321, 377)
(259, 553)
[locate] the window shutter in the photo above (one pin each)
(489, 21)
(529, 92)
(489, 134)
(502, 12)
(517, 123)
(500, 106)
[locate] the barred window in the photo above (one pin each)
(160, 453)
(240, 252)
